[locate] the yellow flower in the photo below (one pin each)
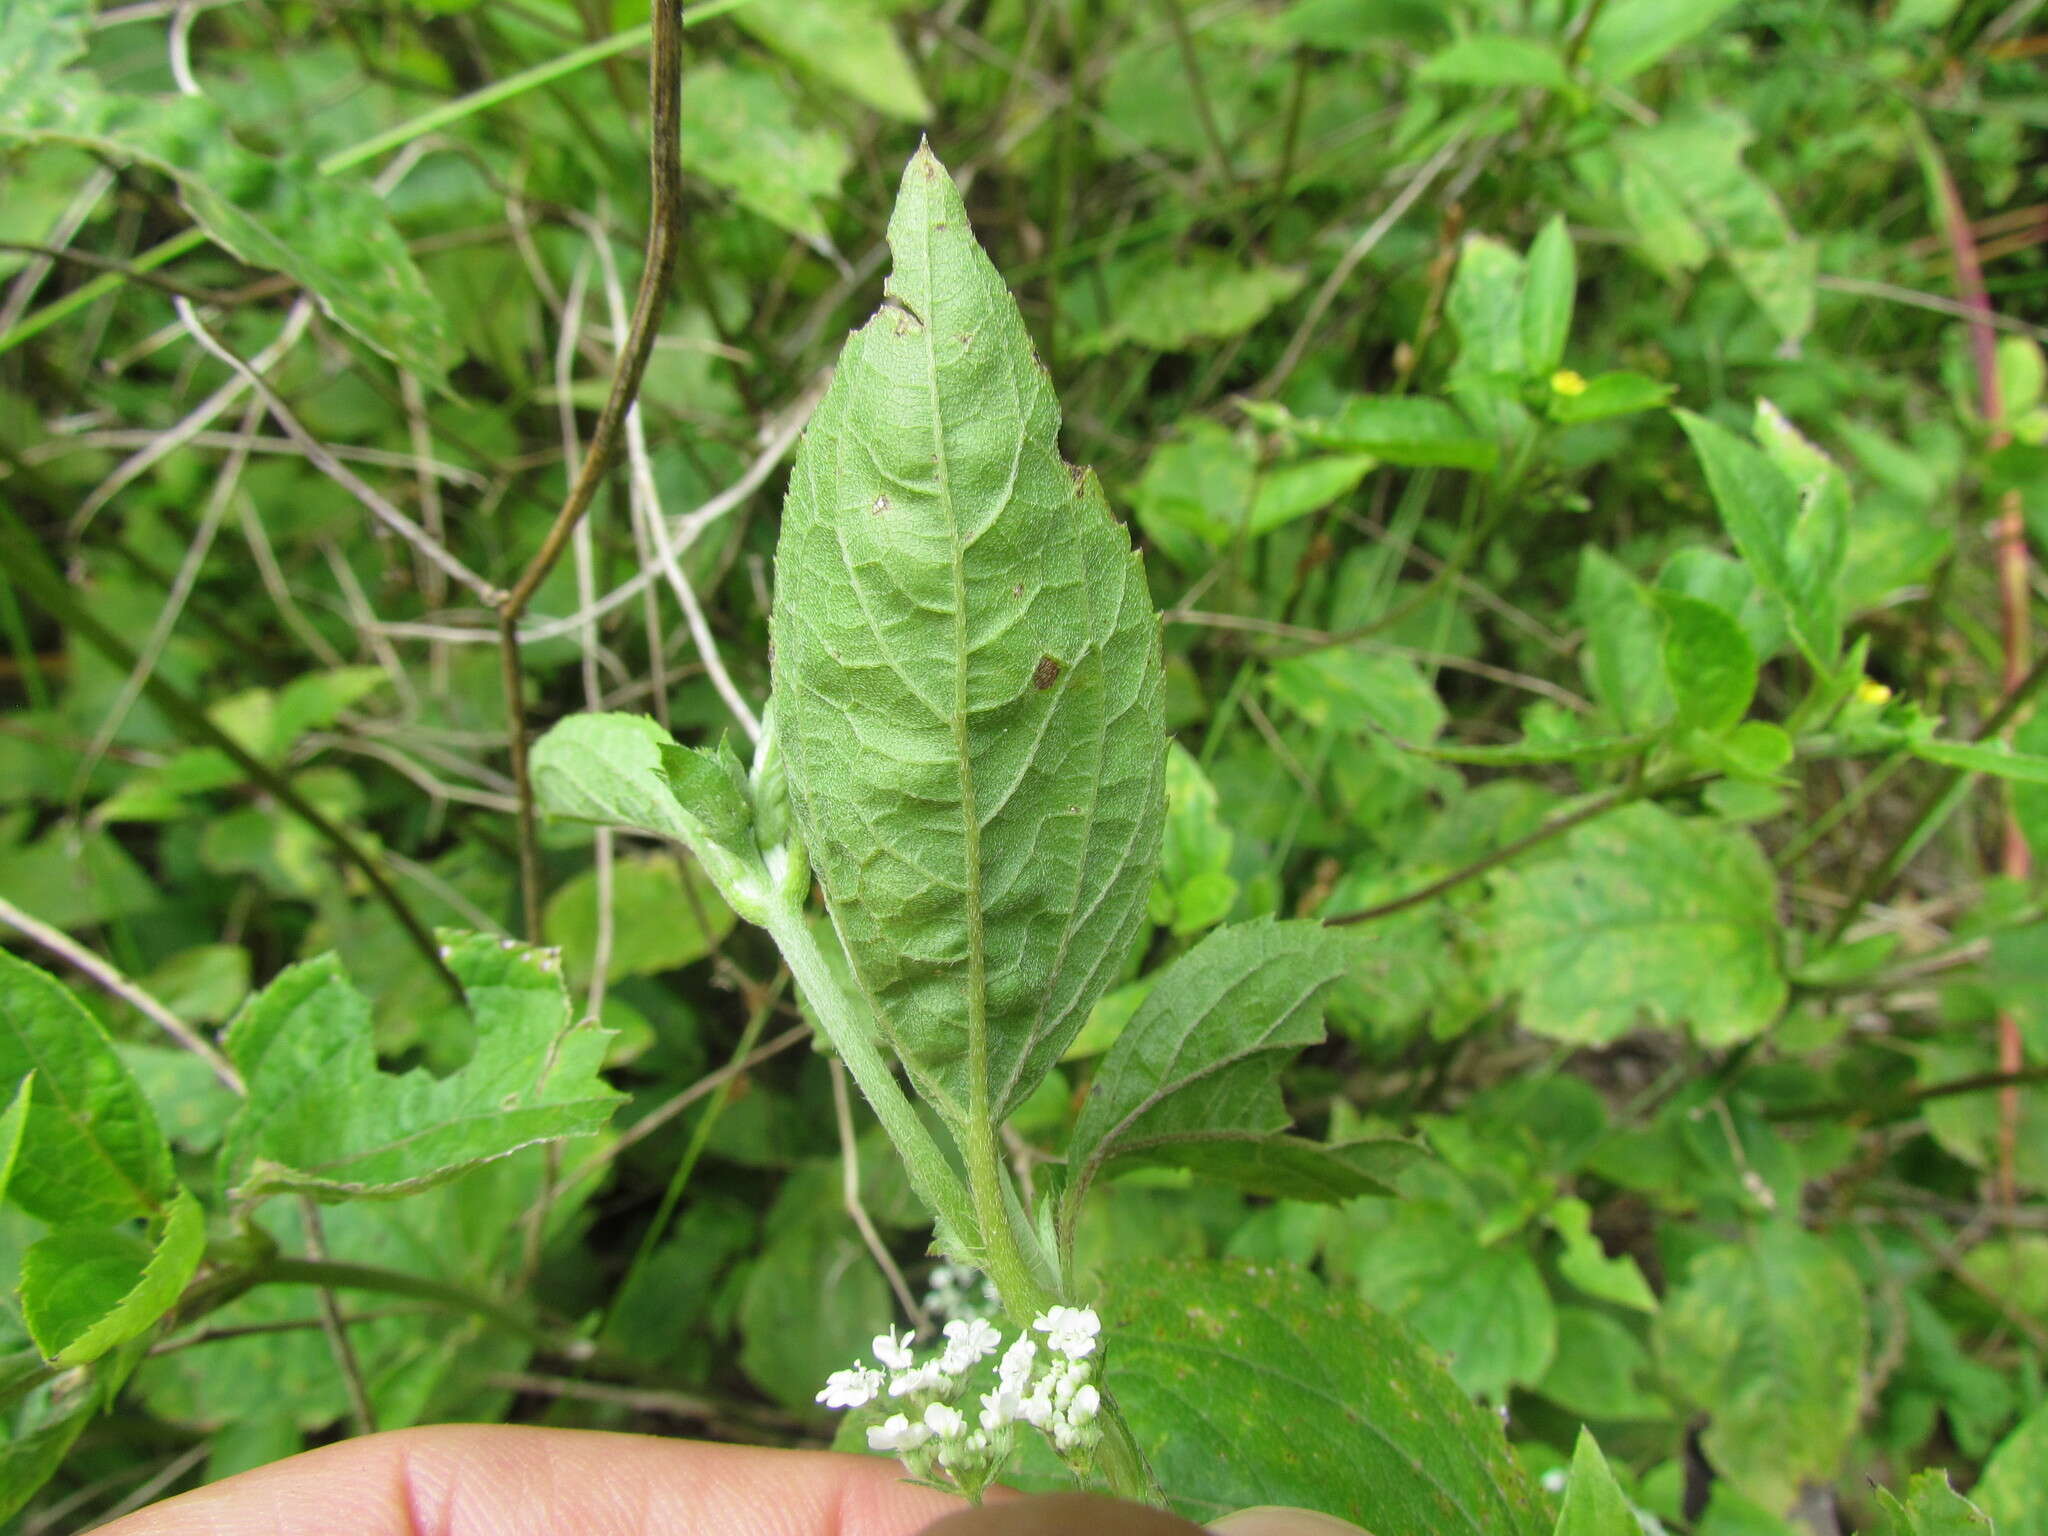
(1568, 381)
(1871, 691)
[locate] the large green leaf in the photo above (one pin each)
(1201, 1059)
(1932, 1508)
(1255, 1385)
(1631, 35)
(847, 42)
(1643, 912)
(1593, 1501)
(1767, 1336)
(1482, 1305)
(1684, 186)
(85, 1290)
(1204, 296)
(321, 1118)
(2010, 1490)
(739, 131)
(811, 1302)
(968, 687)
(333, 237)
(1795, 545)
(92, 1151)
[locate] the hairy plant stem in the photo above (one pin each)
(931, 1176)
(975, 1224)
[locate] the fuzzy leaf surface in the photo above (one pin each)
(1200, 1061)
(967, 678)
(322, 1119)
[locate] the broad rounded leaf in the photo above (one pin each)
(1643, 913)
(967, 678)
(1254, 1385)
(1768, 1337)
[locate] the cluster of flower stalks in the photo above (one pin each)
(1048, 1390)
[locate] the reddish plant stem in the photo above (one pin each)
(2015, 858)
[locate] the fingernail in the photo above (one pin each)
(1063, 1514)
(1279, 1520)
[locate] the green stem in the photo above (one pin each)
(390, 1282)
(849, 1034)
(976, 1228)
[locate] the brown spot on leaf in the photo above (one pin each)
(1045, 674)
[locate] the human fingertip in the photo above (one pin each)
(1063, 1514)
(1282, 1520)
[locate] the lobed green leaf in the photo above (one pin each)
(322, 1119)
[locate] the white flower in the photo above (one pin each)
(1037, 1410)
(1086, 1404)
(1063, 1379)
(968, 1341)
(1070, 1331)
(947, 1423)
(1015, 1369)
(897, 1433)
(923, 1378)
(851, 1388)
(892, 1351)
(1001, 1408)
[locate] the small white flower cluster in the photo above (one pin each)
(932, 1434)
(960, 1291)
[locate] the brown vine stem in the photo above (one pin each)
(664, 240)
(2015, 858)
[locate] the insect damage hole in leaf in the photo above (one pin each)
(985, 839)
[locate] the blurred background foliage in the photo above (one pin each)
(1661, 765)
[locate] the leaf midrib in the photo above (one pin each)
(970, 822)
